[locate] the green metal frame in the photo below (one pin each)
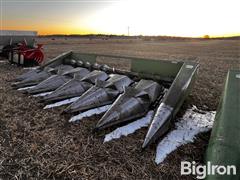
(57, 60)
(182, 74)
(224, 144)
(151, 67)
(181, 86)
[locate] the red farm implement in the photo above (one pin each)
(18, 47)
(26, 56)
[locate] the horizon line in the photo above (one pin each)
(103, 34)
(227, 35)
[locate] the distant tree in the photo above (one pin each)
(206, 36)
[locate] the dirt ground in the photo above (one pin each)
(41, 144)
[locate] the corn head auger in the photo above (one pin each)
(19, 47)
(156, 85)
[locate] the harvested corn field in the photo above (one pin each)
(42, 144)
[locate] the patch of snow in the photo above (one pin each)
(89, 113)
(60, 103)
(25, 88)
(192, 123)
(42, 94)
(31, 67)
(189, 66)
(130, 128)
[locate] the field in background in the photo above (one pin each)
(41, 144)
(214, 56)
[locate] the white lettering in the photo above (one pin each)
(202, 171)
(186, 168)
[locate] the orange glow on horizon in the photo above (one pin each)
(51, 31)
(70, 31)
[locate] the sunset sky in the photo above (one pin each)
(191, 18)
